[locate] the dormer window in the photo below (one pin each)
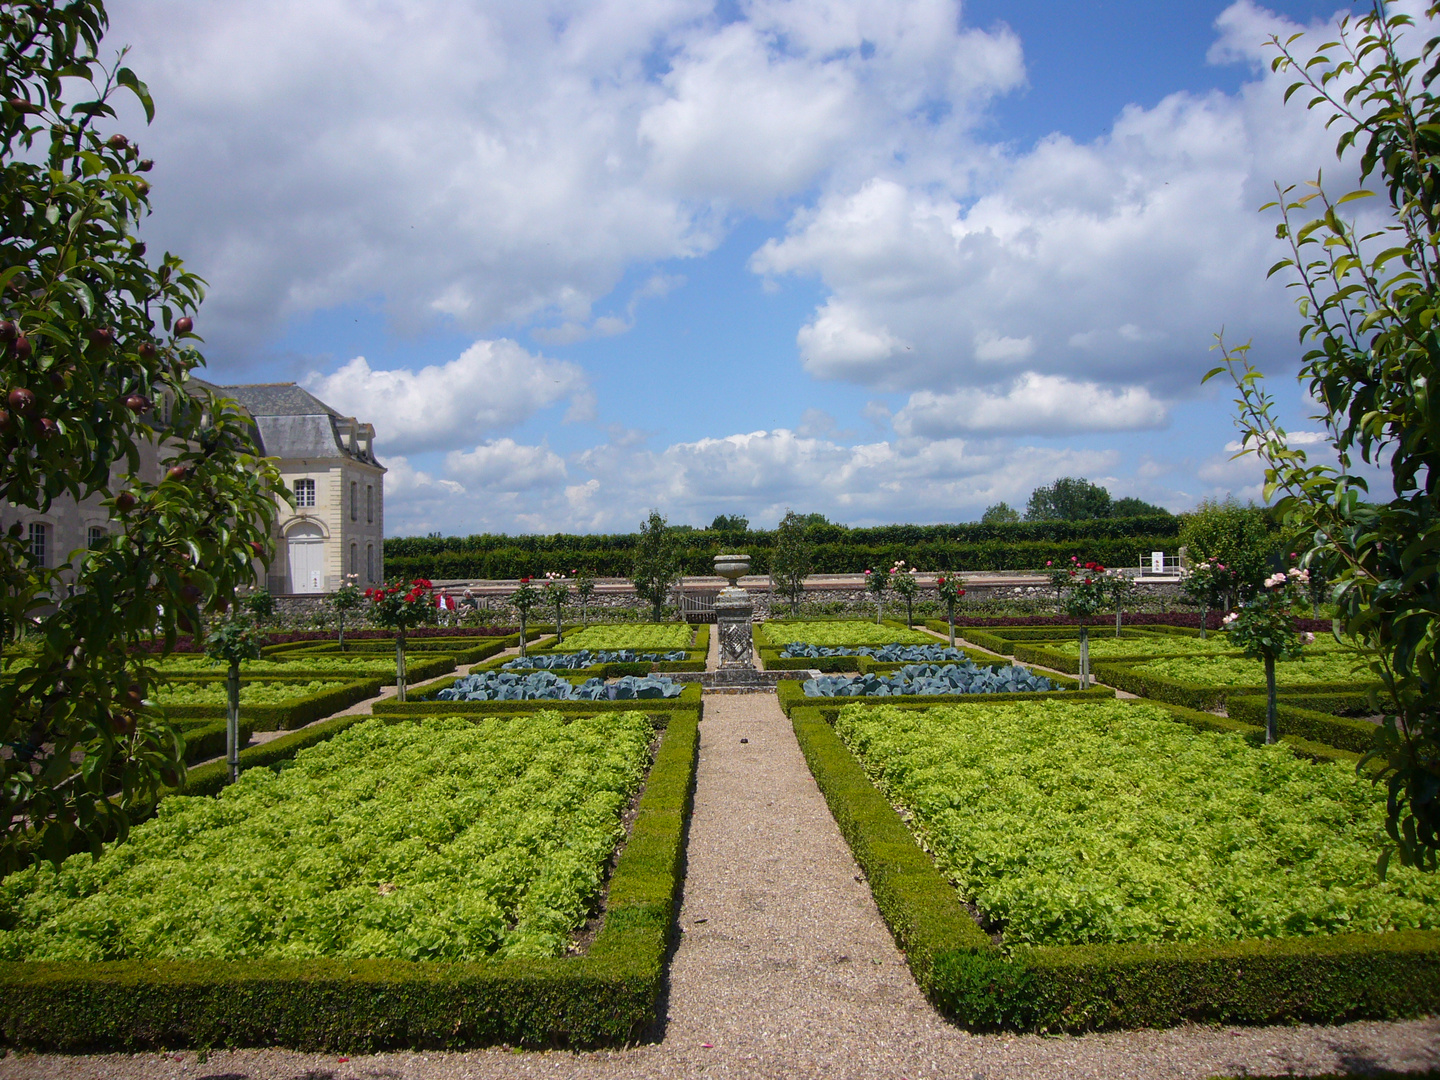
(304, 492)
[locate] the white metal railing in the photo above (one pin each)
(1159, 564)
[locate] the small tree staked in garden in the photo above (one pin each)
(1369, 302)
(1123, 590)
(1212, 586)
(96, 357)
(400, 608)
(1084, 592)
(556, 591)
(902, 580)
(876, 584)
(1265, 629)
(657, 564)
(524, 600)
(951, 590)
(584, 590)
(344, 600)
(233, 642)
(790, 559)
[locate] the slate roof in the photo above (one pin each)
(278, 399)
(294, 423)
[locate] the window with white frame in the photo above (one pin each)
(95, 536)
(39, 543)
(304, 492)
(369, 504)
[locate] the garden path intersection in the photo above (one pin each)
(783, 967)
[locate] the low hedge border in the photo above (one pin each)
(1191, 695)
(293, 714)
(1027, 653)
(1304, 747)
(463, 653)
(386, 645)
(605, 998)
(205, 739)
(763, 639)
(694, 661)
(1357, 736)
(416, 671)
(700, 642)
(690, 699)
(771, 660)
(791, 695)
(1089, 987)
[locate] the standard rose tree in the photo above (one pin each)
(1084, 592)
(399, 607)
(556, 592)
(524, 600)
(902, 577)
(1265, 629)
(950, 589)
(877, 584)
(345, 599)
(233, 642)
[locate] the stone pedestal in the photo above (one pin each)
(734, 616)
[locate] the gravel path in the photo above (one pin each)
(785, 969)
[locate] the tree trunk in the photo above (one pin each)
(1271, 732)
(232, 720)
(909, 613)
(584, 613)
(399, 665)
(1084, 657)
(522, 633)
(340, 617)
(879, 609)
(559, 631)
(1204, 620)
(951, 614)
(1118, 612)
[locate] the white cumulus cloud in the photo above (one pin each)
(491, 386)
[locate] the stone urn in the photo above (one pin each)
(732, 567)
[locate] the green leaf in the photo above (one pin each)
(127, 78)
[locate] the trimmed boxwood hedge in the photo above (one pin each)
(464, 652)
(1192, 695)
(1079, 988)
(206, 739)
(694, 661)
(1041, 653)
(791, 695)
(605, 998)
(292, 714)
(1292, 719)
(771, 660)
(689, 700)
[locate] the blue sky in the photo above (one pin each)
(891, 261)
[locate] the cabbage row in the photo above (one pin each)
(929, 679)
(890, 654)
(838, 632)
(543, 686)
(1080, 822)
(1239, 671)
(566, 661)
(443, 840)
(251, 693)
(654, 636)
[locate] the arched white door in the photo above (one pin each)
(306, 544)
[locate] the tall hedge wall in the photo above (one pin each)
(836, 549)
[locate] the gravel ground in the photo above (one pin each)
(785, 969)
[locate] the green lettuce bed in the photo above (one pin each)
(457, 840)
(1109, 823)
